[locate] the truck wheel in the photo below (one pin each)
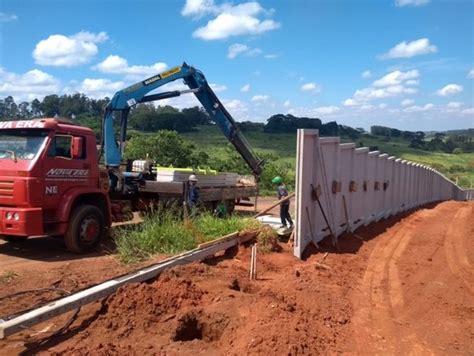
(86, 229)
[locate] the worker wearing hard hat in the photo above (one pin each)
(193, 192)
(285, 206)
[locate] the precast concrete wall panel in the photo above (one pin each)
(359, 197)
(339, 188)
(369, 186)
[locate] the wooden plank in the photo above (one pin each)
(102, 290)
(275, 204)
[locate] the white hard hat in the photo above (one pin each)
(193, 178)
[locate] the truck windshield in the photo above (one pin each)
(21, 144)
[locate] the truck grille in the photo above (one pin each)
(6, 189)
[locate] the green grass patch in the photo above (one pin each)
(167, 233)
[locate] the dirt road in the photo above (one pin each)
(401, 286)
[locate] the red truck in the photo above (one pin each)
(51, 184)
(52, 181)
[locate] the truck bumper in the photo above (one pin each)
(28, 222)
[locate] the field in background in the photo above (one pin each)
(283, 148)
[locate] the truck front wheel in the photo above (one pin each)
(85, 230)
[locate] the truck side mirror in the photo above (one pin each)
(77, 147)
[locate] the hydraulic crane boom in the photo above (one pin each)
(124, 99)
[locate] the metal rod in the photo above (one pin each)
(322, 211)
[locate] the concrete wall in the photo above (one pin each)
(340, 187)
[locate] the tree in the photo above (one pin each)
(329, 129)
(288, 123)
(166, 148)
(8, 109)
(24, 110)
(197, 115)
(36, 108)
(50, 106)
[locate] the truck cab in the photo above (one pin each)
(51, 183)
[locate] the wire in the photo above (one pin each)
(59, 331)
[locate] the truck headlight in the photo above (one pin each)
(16, 216)
(9, 216)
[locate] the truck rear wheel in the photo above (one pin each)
(86, 229)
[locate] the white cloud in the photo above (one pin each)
(326, 110)
(99, 88)
(366, 74)
(68, 51)
(469, 111)
(199, 8)
(238, 109)
(240, 49)
(312, 87)
(367, 107)
(407, 102)
(350, 102)
(382, 105)
(454, 105)
(410, 49)
(417, 108)
(367, 94)
(391, 85)
(260, 98)
(118, 65)
(235, 105)
(401, 3)
(271, 56)
(218, 88)
(396, 78)
(314, 111)
(241, 19)
(245, 88)
(470, 75)
(287, 103)
(28, 86)
(412, 82)
(450, 89)
(4, 17)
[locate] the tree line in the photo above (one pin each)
(150, 118)
(448, 143)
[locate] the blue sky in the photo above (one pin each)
(401, 63)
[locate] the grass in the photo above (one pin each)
(7, 276)
(166, 233)
(283, 147)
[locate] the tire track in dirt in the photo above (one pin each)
(384, 317)
(455, 246)
(374, 304)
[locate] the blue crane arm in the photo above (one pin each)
(124, 99)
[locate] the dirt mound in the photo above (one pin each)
(142, 305)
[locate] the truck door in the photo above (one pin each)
(66, 167)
